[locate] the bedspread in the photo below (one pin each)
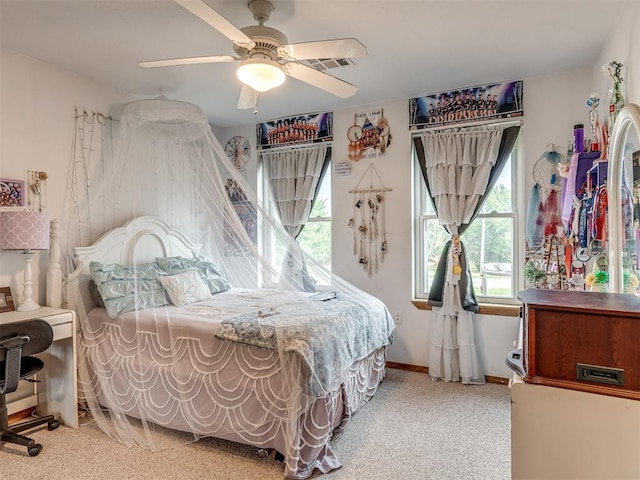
(328, 330)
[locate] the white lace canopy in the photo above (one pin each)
(167, 355)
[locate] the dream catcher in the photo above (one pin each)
(546, 267)
(368, 222)
(543, 218)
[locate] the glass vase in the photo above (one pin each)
(616, 102)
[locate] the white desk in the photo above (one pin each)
(57, 392)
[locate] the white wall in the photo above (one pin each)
(37, 108)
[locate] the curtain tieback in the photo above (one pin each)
(455, 253)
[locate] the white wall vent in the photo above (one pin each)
(322, 64)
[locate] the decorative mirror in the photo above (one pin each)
(624, 201)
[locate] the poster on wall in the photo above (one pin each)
(369, 136)
(466, 105)
(233, 245)
(299, 129)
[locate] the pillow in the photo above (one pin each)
(210, 272)
(124, 289)
(184, 288)
(95, 294)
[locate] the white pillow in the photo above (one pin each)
(186, 287)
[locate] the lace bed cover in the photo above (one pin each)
(328, 330)
(227, 389)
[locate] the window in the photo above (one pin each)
(490, 241)
(315, 238)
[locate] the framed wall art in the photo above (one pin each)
(467, 105)
(11, 193)
(6, 300)
(308, 128)
(369, 136)
(233, 245)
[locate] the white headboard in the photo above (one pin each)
(140, 240)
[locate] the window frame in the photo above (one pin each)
(329, 219)
(421, 201)
(267, 238)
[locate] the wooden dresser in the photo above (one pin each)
(583, 341)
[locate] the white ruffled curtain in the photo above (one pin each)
(457, 166)
(294, 175)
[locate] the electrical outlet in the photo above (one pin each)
(397, 319)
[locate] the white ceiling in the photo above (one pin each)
(416, 47)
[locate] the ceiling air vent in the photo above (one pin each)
(322, 64)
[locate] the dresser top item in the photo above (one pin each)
(572, 300)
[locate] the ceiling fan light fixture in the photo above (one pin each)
(261, 74)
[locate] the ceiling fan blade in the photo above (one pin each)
(248, 98)
(187, 61)
(338, 48)
(217, 21)
(321, 80)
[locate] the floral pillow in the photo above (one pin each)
(186, 287)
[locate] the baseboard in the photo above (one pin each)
(420, 369)
(21, 415)
(406, 366)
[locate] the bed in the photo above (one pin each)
(217, 383)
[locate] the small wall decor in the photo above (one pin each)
(11, 193)
(369, 136)
(238, 151)
(368, 222)
(544, 215)
(342, 169)
(546, 262)
(37, 189)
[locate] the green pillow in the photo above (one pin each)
(124, 289)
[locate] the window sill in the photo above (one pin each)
(485, 308)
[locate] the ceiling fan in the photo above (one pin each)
(265, 55)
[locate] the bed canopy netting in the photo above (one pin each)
(152, 357)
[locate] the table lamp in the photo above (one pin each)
(26, 231)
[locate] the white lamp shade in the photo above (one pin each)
(24, 230)
(261, 74)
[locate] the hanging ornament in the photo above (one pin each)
(455, 253)
(372, 246)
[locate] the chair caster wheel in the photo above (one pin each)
(35, 450)
(53, 425)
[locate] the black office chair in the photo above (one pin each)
(18, 343)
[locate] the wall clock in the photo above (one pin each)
(354, 133)
(238, 151)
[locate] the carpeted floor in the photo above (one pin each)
(414, 428)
